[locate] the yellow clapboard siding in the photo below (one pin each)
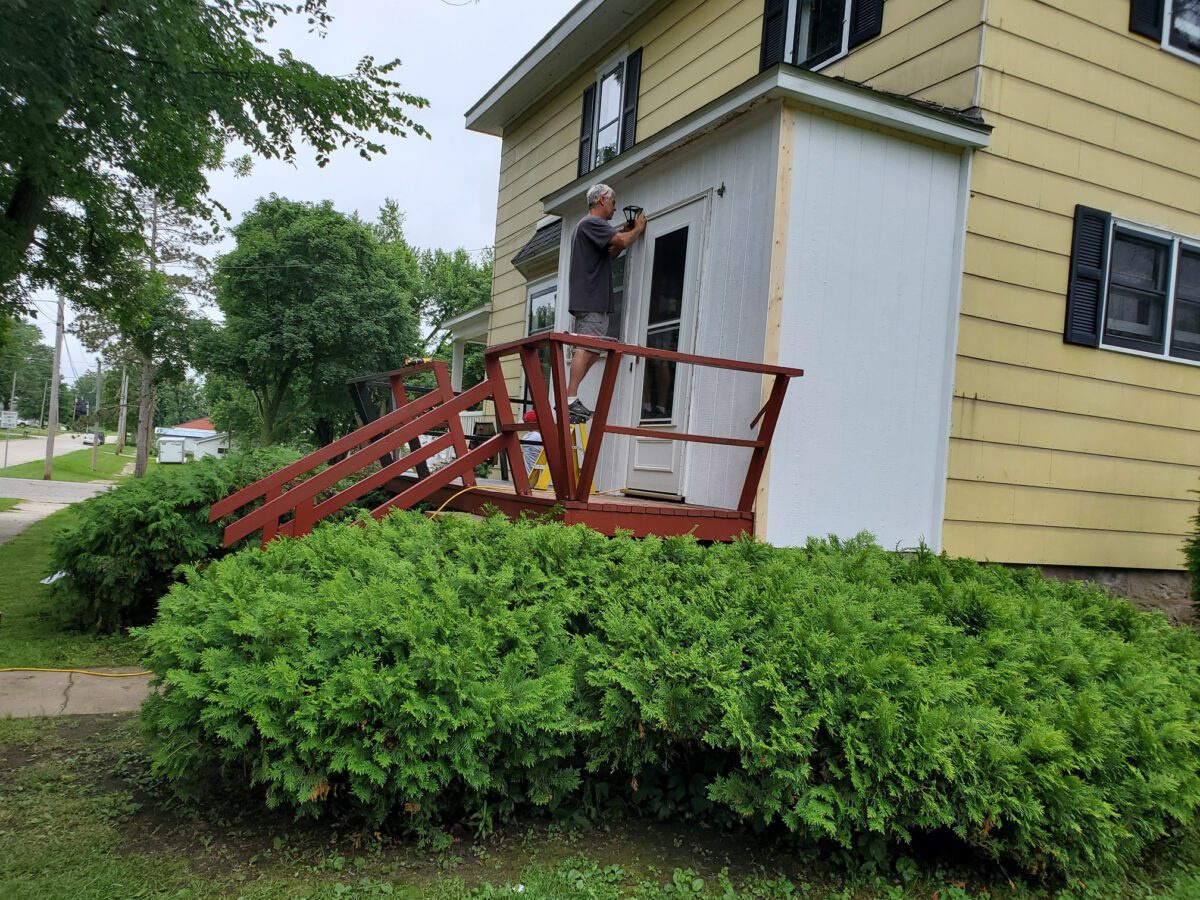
(936, 40)
(1031, 545)
(1001, 423)
(1045, 107)
(1017, 264)
(1033, 186)
(986, 298)
(979, 501)
(1024, 57)
(1015, 223)
(1003, 342)
(1067, 470)
(1097, 33)
(1080, 396)
(957, 92)
(1093, 164)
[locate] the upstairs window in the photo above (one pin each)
(608, 123)
(1175, 24)
(811, 33)
(1133, 288)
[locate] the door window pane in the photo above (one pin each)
(1184, 33)
(1185, 329)
(542, 305)
(617, 315)
(1137, 293)
(658, 382)
(666, 282)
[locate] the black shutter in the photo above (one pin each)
(866, 21)
(585, 129)
(1085, 285)
(633, 77)
(774, 36)
(1146, 17)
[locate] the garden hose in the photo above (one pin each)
(81, 672)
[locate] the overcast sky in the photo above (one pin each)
(452, 53)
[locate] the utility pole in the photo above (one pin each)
(121, 417)
(12, 395)
(42, 414)
(52, 420)
(96, 432)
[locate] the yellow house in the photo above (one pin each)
(974, 223)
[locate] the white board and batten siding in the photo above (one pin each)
(732, 170)
(870, 305)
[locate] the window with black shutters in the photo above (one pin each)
(1133, 288)
(1175, 24)
(608, 123)
(813, 33)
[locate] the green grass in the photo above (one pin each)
(82, 818)
(8, 503)
(31, 634)
(74, 466)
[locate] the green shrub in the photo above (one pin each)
(123, 555)
(427, 670)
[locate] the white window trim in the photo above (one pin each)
(789, 45)
(1166, 36)
(617, 59)
(1176, 243)
(537, 289)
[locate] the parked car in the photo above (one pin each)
(93, 437)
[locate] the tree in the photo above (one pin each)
(179, 401)
(311, 297)
(452, 283)
(100, 101)
(30, 360)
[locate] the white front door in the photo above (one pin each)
(661, 314)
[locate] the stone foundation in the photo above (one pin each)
(1165, 591)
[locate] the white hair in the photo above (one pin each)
(598, 192)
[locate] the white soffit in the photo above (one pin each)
(786, 83)
(582, 32)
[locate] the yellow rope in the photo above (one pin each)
(451, 497)
(81, 672)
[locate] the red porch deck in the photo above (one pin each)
(388, 447)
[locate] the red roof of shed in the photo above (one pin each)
(204, 424)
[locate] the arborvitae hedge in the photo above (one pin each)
(426, 670)
(123, 554)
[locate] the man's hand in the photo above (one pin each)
(624, 238)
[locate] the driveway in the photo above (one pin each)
(23, 450)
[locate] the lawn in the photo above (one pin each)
(80, 818)
(74, 466)
(8, 503)
(31, 634)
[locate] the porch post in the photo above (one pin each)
(456, 365)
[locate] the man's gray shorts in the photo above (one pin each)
(593, 324)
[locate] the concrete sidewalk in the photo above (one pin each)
(39, 499)
(25, 694)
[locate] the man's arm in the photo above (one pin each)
(623, 239)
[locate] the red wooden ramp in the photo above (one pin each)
(388, 452)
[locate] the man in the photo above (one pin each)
(594, 245)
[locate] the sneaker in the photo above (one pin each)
(578, 412)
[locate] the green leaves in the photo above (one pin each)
(426, 670)
(130, 542)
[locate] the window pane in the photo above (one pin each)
(666, 281)
(1139, 263)
(542, 306)
(1185, 25)
(1134, 316)
(821, 24)
(1185, 330)
(606, 143)
(658, 385)
(610, 96)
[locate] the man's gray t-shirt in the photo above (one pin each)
(590, 285)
